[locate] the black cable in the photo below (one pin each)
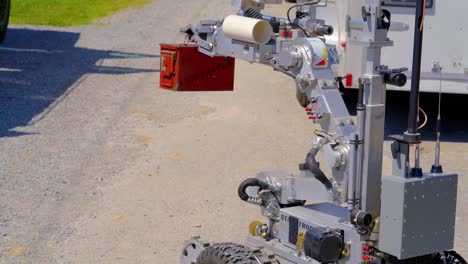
(252, 13)
(296, 6)
(252, 182)
(314, 167)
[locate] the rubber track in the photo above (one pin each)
(232, 253)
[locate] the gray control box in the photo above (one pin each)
(418, 215)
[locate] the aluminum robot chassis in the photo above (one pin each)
(362, 217)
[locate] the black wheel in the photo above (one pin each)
(450, 257)
(4, 17)
(231, 253)
(192, 249)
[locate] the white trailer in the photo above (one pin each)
(445, 52)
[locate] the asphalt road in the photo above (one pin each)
(97, 165)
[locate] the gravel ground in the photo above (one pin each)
(97, 165)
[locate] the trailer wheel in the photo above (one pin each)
(232, 253)
(4, 17)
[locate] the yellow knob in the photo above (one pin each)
(253, 228)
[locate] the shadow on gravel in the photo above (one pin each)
(39, 68)
(454, 117)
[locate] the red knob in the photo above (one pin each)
(366, 257)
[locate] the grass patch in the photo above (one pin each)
(66, 12)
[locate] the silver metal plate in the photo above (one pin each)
(418, 215)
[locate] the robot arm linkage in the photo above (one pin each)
(308, 60)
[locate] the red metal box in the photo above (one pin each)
(184, 68)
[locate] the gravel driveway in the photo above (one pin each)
(97, 165)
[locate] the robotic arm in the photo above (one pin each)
(298, 49)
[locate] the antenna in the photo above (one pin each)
(437, 168)
(412, 135)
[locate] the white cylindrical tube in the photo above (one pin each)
(247, 29)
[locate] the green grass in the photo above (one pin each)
(66, 12)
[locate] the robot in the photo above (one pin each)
(360, 216)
